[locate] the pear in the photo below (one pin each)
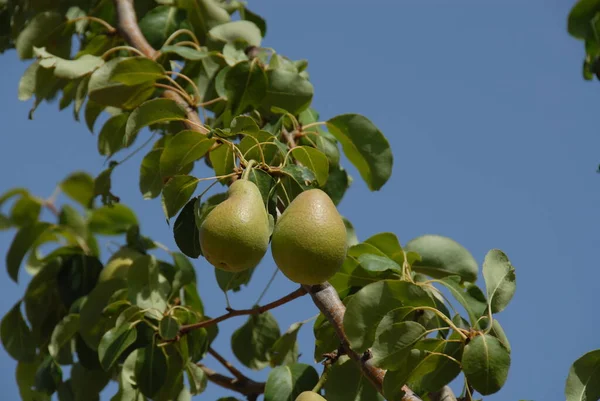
(235, 234)
(309, 396)
(309, 239)
(118, 264)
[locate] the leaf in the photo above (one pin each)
(79, 186)
(112, 135)
(472, 300)
(186, 147)
(186, 232)
(346, 383)
(160, 22)
(233, 281)
(17, 338)
(103, 91)
(197, 378)
(388, 244)
(583, 381)
(365, 146)
(37, 32)
(68, 69)
(28, 81)
(393, 342)
(63, 334)
(325, 338)
(485, 363)
(25, 211)
(285, 349)
(114, 342)
(150, 370)
(315, 160)
(287, 90)
(258, 20)
(252, 342)
(136, 71)
(442, 257)
(203, 15)
(285, 383)
(187, 53)
(20, 245)
(87, 383)
(222, 160)
(338, 181)
(91, 113)
(48, 376)
(184, 277)
(168, 328)
(152, 112)
(500, 279)
(176, 192)
(144, 286)
(25, 375)
(368, 306)
(581, 19)
(112, 220)
(295, 180)
(246, 86)
(237, 30)
(376, 263)
(264, 181)
(150, 179)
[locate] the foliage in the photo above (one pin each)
(414, 311)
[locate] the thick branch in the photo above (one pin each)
(130, 31)
(254, 311)
(247, 387)
(329, 303)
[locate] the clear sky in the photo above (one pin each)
(495, 144)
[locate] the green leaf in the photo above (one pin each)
(187, 53)
(230, 281)
(28, 82)
(152, 112)
(68, 69)
(176, 192)
(264, 181)
(25, 211)
(262, 146)
(315, 160)
(246, 86)
(295, 180)
(87, 383)
(365, 146)
(285, 383)
(91, 113)
(581, 19)
(394, 380)
(583, 381)
(136, 71)
(338, 181)
(388, 244)
(369, 305)
(471, 299)
(17, 338)
(500, 279)
(258, 20)
(48, 376)
(251, 342)
(150, 370)
(36, 33)
(203, 15)
(144, 286)
(287, 90)
(442, 257)
(243, 124)
(197, 378)
(186, 147)
(285, 349)
(112, 220)
(114, 342)
(112, 135)
(222, 160)
(346, 383)
(150, 179)
(25, 375)
(20, 245)
(79, 186)
(168, 328)
(186, 232)
(325, 338)
(485, 363)
(237, 30)
(393, 342)
(63, 334)
(103, 91)
(160, 22)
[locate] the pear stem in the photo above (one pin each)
(322, 379)
(248, 169)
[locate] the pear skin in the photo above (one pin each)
(309, 396)
(118, 264)
(309, 240)
(235, 234)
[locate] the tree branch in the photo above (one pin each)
(247, 387)
(238, 375)
(254, 311)
(443, 394)
(130, 31)
(329, 303)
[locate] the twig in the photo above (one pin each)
(254, 311)
(248, 388)
(238, 375)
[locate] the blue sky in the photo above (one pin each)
(494, 140)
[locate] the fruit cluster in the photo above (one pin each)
(308, 241)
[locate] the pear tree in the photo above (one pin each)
(189, 84)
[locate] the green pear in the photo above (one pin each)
(309, 396)
(118, 264)
(235, 234)
(309, 240)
